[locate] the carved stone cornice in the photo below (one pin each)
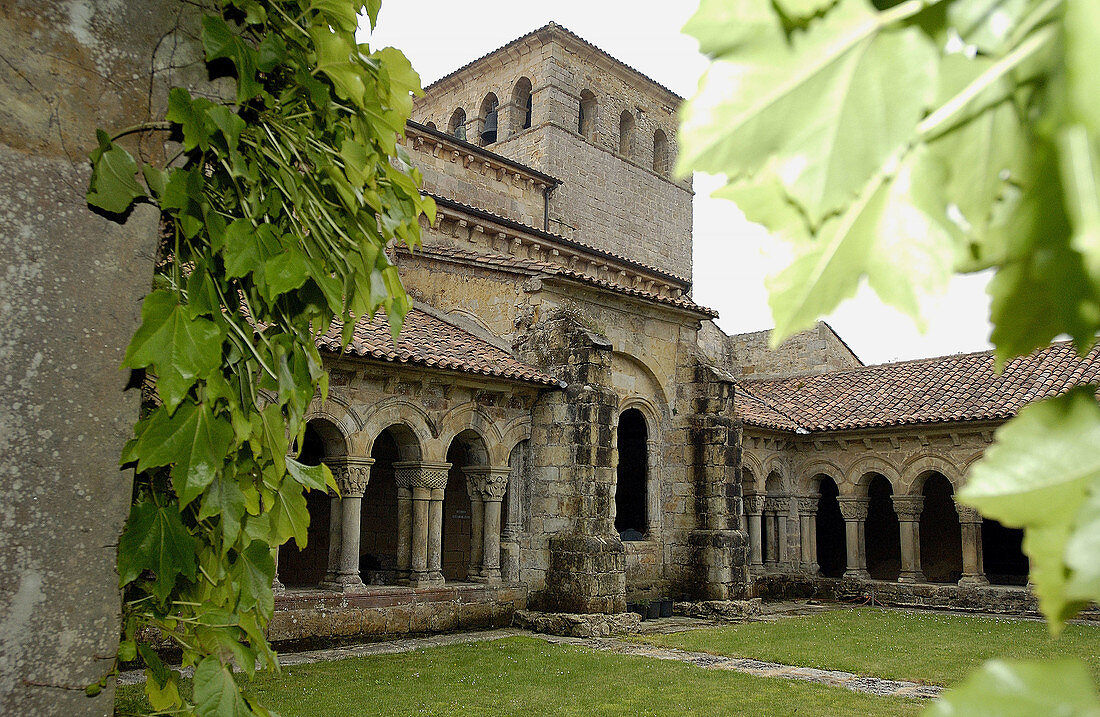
(488, 482)
(853, 507)
(968, 514)
(778, 504)
(421, 474)
(908, 507)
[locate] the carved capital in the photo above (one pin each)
(421, 474)
(777, 505)
(351, 473)
(853, 508)
(807, 504)
(908, 507)
(968, 514)
(754, 504)
(487, 482)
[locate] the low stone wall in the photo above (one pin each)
(315, 617)
(572, 625)
(1002, 599)
(729, 610)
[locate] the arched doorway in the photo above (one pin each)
(306, 566)
(631, 475)
(831, 556)
(940, 536)
(466, 451)
(378, 548)
(882, 533)
(1002, 549)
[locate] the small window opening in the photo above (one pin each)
(626, 134)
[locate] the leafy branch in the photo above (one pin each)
(274, 225)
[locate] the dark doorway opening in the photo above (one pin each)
(1002, 551)
(940, 536)
(831, 550)
(882, 535)
(630, 491)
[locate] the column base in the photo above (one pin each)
(345, 584)
(757, 569)
(911, 576)
(277, 585)
(857, 574)
(427, 579)
(973, 581)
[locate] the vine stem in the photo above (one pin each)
(161, 126)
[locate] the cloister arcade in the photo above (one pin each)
(873, 521)
(421, 502)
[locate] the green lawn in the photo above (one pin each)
(526, 676)
(918, 646)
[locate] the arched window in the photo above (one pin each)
(630, 492)
(457, 126)
(586, 117)
(660, 153)
(626, 134)
(521, 104)
(432, 125)
(488, 116)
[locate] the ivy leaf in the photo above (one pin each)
(192, 440)
(220, 42)
(1082, 33)
(271, 53)
(803, 9)
(988, 24)
(254, 571)
(289, 516)
(190, 115)
(1020, 688)
(340, 14)
(824, 112)
(723, 27)
(285, 272)
(223, 498)
(317, 477)
(113, 186)
(155, 539)
(216, 694)
(1036, 476)
(333, 59)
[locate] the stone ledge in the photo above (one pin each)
(729, 610)
(566, 624)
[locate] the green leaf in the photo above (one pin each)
(285, 272)
(334, 53)
(182, 347)
(223, 498)
(220, 42)
(253, 572)
(1019, 688)
(988, 24)
(1080, 173)
(227, 123)
(192, 440)
(216, 694)
(317, 477)
(113, 186)
(1082, 34)
(289, 516)
(271, 53)
(723, 27)
(340, 14)
(802, 9)
(823, 112)
(190, 115)
(155, 539)
(1036, 476)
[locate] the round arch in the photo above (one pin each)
(808, 478)
(916, 470)
(860, 474)
(754, 464)
(512, 434)
(399, 412)
(470, 416)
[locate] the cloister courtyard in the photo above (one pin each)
(793, 658)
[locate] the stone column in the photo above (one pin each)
(404, 533)
(782, 510)
(477, 524)
(908, 509)
(854, 510)
(276, 584)
(807, 516)
(513, 525)
(653, 490)
(335, 532)
(352, 475)
(425, 481)
(490, 484)
(970, 524)
(754, 508)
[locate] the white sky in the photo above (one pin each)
(731, 255)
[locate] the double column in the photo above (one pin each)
(486, 486)
(776, 511)
(754, 511)
(970, 526)
(352, 475)
(807, 517)
(420, 486)
(908, 509)
(854, 510)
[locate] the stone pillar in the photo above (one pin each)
(653, 490)
(477, 525)
(404, 533)
(854, 510)
(754, 508)
(970, 525)
(807, 516)
(352, 475)
(489, 483)
(782, 510)
(425, 481)
(276, 584)
(513, 525)
(335, 533)
(908, 509)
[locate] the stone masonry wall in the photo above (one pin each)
(817, 350)
(72, 283)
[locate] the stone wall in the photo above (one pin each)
(72, 284)
(817, 350)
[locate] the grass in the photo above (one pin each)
(526, 676)
(918, 646)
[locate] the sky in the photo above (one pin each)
(731, 255)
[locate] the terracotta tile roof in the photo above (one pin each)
(448, 202)
(535, 266)
(429, 341)
(551, 26)
(949, 388)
